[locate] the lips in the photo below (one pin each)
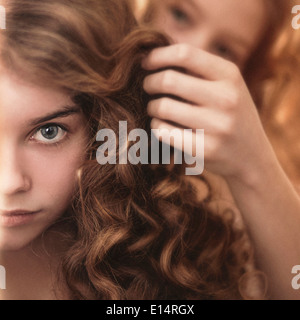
(15, 212)
(16, 217)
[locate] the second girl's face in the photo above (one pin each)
(42, 143)
(228, 28)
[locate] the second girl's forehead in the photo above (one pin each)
(243, 19)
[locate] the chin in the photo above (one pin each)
(12, 246)
(13, 242)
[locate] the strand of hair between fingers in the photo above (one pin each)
(187, 143)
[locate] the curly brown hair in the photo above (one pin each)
(134, 231)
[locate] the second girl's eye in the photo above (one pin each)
(179, 15)
(51, 133)
(225, 52)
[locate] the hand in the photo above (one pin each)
(217, 100)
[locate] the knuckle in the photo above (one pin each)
(230, 98)
(166, 81)
(159, 108)
(183, 52)
(163, 108)
(155, 123)
(227, 128)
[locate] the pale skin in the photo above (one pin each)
(218, 101)
(43, 138)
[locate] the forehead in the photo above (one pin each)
(19, 99)
(246, 16)
(13, 87)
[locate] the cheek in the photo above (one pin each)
(54, 175)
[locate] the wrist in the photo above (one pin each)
(261, 170)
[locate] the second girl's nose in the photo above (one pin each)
(201, 39)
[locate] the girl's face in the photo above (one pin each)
(42, 142)
(228, 28)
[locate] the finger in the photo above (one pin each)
(189, 88)
(181, 113)
(204, 64)
(187, 116)
(186, 141)
(164, 131)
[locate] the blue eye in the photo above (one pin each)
(51, 133)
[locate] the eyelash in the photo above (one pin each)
(56, 143)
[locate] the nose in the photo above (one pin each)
(13, 178)
(201, 38)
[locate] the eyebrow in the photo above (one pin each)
(62, 113)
